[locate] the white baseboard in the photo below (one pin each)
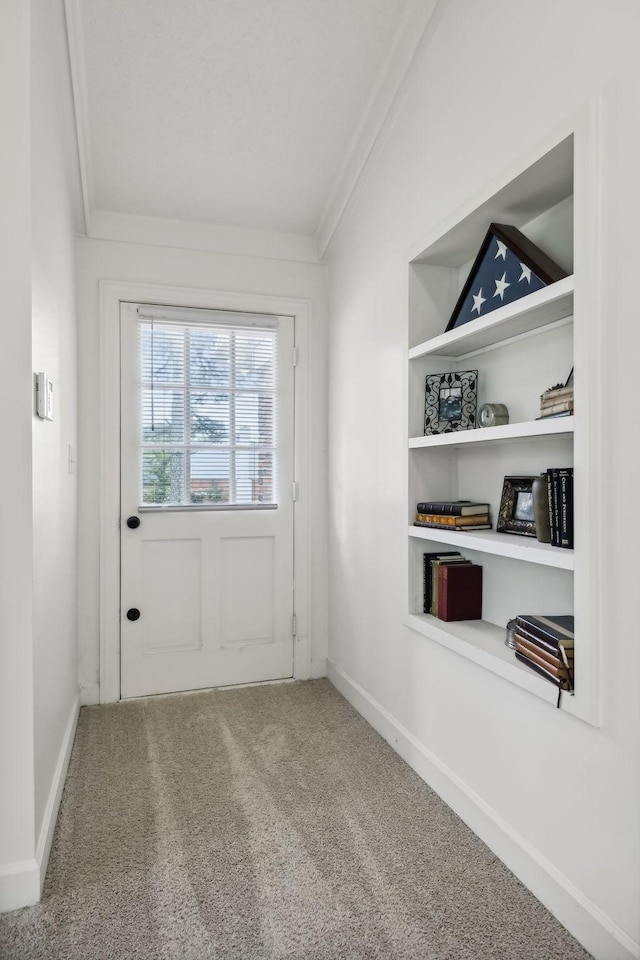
(318, 668)
(19, 885)
(596, 931)
(47, 828)
(89, 694)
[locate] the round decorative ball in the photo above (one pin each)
(493, 414)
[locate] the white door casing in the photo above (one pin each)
(112, 294)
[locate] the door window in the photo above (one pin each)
(208, 419)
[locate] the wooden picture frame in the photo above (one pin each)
(537, 271)
(516, 513)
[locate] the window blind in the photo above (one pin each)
(208, 417)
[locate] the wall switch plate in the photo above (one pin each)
(44, 397)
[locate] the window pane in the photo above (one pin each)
(254, 476)
(210, 358)
(209, 417)
(162, 354)
(162, 476)
(210, 481)
(254, 419)
(162, 416)
(255, 360)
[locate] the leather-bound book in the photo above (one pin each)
(460, 592)
(436, 563)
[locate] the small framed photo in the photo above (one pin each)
(516, 507)
(450, 402)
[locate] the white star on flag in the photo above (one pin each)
(501, 286)
(502, 250)
(478, 300)
(526, 273)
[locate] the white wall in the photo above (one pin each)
(17, 842)
(203, 270)
(38, 670)
(558, 797)
(55, 222)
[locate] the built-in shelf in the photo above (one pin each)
(530, 429)
(539, 309)
(483, 643)
(518, 350)
(509, 545)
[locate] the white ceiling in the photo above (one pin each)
(242, 113)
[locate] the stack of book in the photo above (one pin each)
(545, 644)
(556, 402)
(453, 515)
(560, 494)
(452, 586)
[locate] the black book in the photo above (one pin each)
(565, 506)
(452, 508)
(426, 575)
(552, 628)
(554, 505)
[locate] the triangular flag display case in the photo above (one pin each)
(508, 266)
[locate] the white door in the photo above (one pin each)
(206, 498)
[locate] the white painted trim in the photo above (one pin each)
(19, 885)
(112, 292)
(89, 694)
(80, 103)
(211, 237)
(50, 817)
(417, 29)
(596, 931)
(318, 668)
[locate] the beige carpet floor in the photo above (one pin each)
(262, 823)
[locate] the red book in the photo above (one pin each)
(460, 592)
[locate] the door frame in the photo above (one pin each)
(112, 293)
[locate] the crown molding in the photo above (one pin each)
(415, 33)
(211, 237)
(80, 103)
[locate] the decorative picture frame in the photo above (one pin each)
(508, 266)
(516, 514)
(450, 402)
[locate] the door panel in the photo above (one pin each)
(207, 467)
(248, 570)
(171, 582)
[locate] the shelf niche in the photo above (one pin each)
(519, 350)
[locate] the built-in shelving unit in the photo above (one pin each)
(519, 350)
